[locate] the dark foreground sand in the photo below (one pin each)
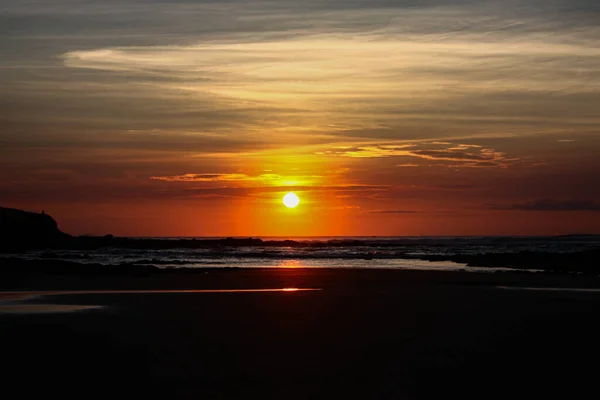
(367, 334)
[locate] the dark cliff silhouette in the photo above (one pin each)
(21, 230)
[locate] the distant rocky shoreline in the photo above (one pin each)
(584, 262)
(22, 231)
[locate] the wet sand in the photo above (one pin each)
(365, 334)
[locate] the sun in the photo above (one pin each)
(291, 200)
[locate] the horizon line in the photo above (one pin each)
(338, 236)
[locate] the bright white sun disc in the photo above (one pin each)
(291, 200)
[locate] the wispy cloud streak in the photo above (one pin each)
(465, 155)
(551, 205)
(402, 66)
(216, 178)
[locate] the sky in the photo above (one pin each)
(386, 117)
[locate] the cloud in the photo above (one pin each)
(259, 74)
(450, 155)
(216, 192)
(215, 185)
(374, 151)
(244, 180)
(180, 88)
(551, 205)
(457, 186)
(215, 178)
(362, 68)
(459, 155)
(392, 212)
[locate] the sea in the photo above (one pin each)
(408, 253)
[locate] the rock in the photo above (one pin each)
(21, 230)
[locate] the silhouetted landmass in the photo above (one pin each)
(22, 230)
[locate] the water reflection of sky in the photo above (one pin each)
(23, 302)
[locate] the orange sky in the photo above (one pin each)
(386, 118)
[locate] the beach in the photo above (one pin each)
(323, 199)
(361, 334)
